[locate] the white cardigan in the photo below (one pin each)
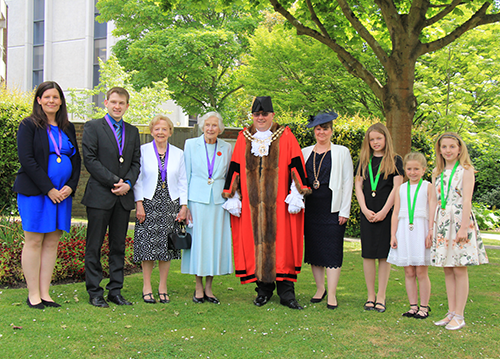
(341, 178)
(176, 174)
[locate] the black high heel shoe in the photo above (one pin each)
(317, 300)
(211, 299)
(149, 300)
(36, 306)
(50, 304)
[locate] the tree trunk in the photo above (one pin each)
(399, 102)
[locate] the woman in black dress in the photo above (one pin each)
(378, 173)
(330, 176)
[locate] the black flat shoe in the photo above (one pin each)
(35, 306)
(211, 299)
(118, 299)
(261, 300)
(99, 302)
(50, 304)
(425, 313)
(318, 300)
(198, 300)
(292, 304)
(369, 307)
(411, 313)
(150, 298)
(380, 310)
(163, 298)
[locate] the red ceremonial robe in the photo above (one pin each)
(267, 240)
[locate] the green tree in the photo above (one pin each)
(195, 48)
(395, 33)
(303, 75)
(144, 104)
(458, 87)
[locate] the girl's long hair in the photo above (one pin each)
(463, 156)
(388, 164)
(39, 117)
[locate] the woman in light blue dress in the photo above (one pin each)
(207, 160)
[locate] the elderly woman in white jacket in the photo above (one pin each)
(161, 200)
(330, 176)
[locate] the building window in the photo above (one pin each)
(100, 42)
(38, 39)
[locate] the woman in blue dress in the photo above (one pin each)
(49, 173)
(207, 160)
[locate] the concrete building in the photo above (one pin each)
(3, 41)
(60, 40)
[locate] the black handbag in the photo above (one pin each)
(179, 239)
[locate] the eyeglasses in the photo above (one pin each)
(263, 114)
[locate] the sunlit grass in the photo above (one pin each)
(238, 329)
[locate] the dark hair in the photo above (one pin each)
(39, 116)
(119, 91)
(327, 125)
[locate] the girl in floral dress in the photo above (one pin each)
(456, 243)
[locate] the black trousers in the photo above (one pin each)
(99, 220)
(286, 289)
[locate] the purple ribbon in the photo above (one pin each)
(210, 164)
(120, 147)
(163, 169)
(57, 149)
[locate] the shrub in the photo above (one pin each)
(14, 106)
(70, 263)
(486, 218)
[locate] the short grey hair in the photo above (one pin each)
(202, 119)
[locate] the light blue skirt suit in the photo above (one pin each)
(210, 252)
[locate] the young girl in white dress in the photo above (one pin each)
(411, 233)
(456, 242)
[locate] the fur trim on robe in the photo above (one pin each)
(267, 240)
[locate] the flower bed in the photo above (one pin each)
(70, 263)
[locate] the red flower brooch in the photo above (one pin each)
(219, 153)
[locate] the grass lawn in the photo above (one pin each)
(238, 329)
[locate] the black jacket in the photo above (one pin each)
(33, 151)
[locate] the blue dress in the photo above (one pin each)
(210, 252)
(38, 213)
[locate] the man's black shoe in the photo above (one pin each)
(261, 300)
(292, 303)
(118, 299)
(98, 302)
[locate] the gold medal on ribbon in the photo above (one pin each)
(316, 184)
(374, 194)
(121, 159)
(443, 212)
(411, 226)
(163, 185)
(59, 160)
(210, 180)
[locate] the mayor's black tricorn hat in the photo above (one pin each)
(262, 103)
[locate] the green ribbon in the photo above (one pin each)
(443, 199)
(373, 182)
(411, 207)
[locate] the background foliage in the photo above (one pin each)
(14, 106)
(70, 263)
(144, 103)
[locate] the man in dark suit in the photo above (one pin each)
(111, 154)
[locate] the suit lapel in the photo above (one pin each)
(110, 134)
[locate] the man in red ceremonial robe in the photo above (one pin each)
(265, 188)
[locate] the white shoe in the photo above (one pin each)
(460, 323)
(446, 320)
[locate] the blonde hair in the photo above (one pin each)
(388, 164)
(415, 156)
(159, 118)
(463, 156)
